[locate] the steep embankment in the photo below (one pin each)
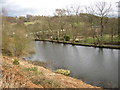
(27, 75)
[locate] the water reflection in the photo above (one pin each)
(93, 65)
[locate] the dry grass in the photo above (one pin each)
(26, 75)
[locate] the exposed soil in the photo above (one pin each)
(25, 76)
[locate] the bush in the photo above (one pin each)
(16, 62)
(67, 38)
(64, 72)
(14, 40)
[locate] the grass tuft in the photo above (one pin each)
(16, 62)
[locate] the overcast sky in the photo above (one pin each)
(45, 7)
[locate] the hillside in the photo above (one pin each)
(27, 75)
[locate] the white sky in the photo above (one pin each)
(43, 7)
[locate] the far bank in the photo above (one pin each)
(83, 44)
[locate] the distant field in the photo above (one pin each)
(27, 23)
(106, 39)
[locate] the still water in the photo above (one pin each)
(92, 65)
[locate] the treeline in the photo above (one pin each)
(67, 25)
(95, 26)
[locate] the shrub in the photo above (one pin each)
(64, 72)
(14, 39)
(67, 38)
(56, 38)
(16, 62)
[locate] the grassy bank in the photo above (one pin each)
(83, 44)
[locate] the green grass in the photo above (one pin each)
(27, 23)
(32, 69)
(105, 39)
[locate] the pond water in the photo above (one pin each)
(94, 66)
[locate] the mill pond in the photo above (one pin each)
(95, 66)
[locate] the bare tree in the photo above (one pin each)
(74, 15)
(103, 10)
(60, 12)
(74, 10)
(118, 19)
(60, 23)
(90, 14)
